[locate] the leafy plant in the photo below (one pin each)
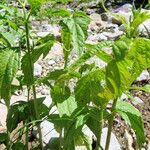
(79, 106)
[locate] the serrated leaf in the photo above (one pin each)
(78, 25)
(22, 111)
(66, 39)
(16, 114)
(44, 45)
(8, 67)
(132, 117)
(92, 50)
(88, 88)
(67, 107)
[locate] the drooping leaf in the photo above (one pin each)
(16, 114)
(133, 118)
(8, 67)
(22, 111)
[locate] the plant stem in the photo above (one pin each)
(110, 124)
(32, 75)
(98, 144)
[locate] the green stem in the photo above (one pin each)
(110, 124)
(98, 144)
(31, 70)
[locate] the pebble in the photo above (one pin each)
(37, 70)
(143, 76)
(51, 62)
(137, 101)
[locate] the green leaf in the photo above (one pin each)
(92, 50)
(8, 67)
(139, 19)
(88, 88)
(66, 39)
(17, 113)
(120, 49)
(67, 107)
(132, 117)
(27, 67)
(43, 46)
(78, 25)
(18, 146)
(54, 75)
(57, 12)
(3, 138)
(60, 93)
(145, 88)
(75, 128)
(22, 111)
(139, 57)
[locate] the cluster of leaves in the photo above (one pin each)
(86, 104)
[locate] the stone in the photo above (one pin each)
(144, 28)
(105, 16)
(137, 101)
(42, 34)
(114, 144)
(51, 62)
(56, 51)
(143, 76)
(96, 38)
(37, 70)
(124, 97)
(96, 18)
(51, 28)
(48, 131)
(113, 36)
(125, 10)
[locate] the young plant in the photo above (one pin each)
(84, 105)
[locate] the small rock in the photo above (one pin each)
(105, 16)
(42, 34)
(144, 28)
(51, 28)
(126, 8)
(37, 70)
(48, 131)
(114, 144)
(96, 38)
(122, 28)
(143, 76)
(137, 101)
(51, 62)
(113, 36)
(124, 97)
(96, 18)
